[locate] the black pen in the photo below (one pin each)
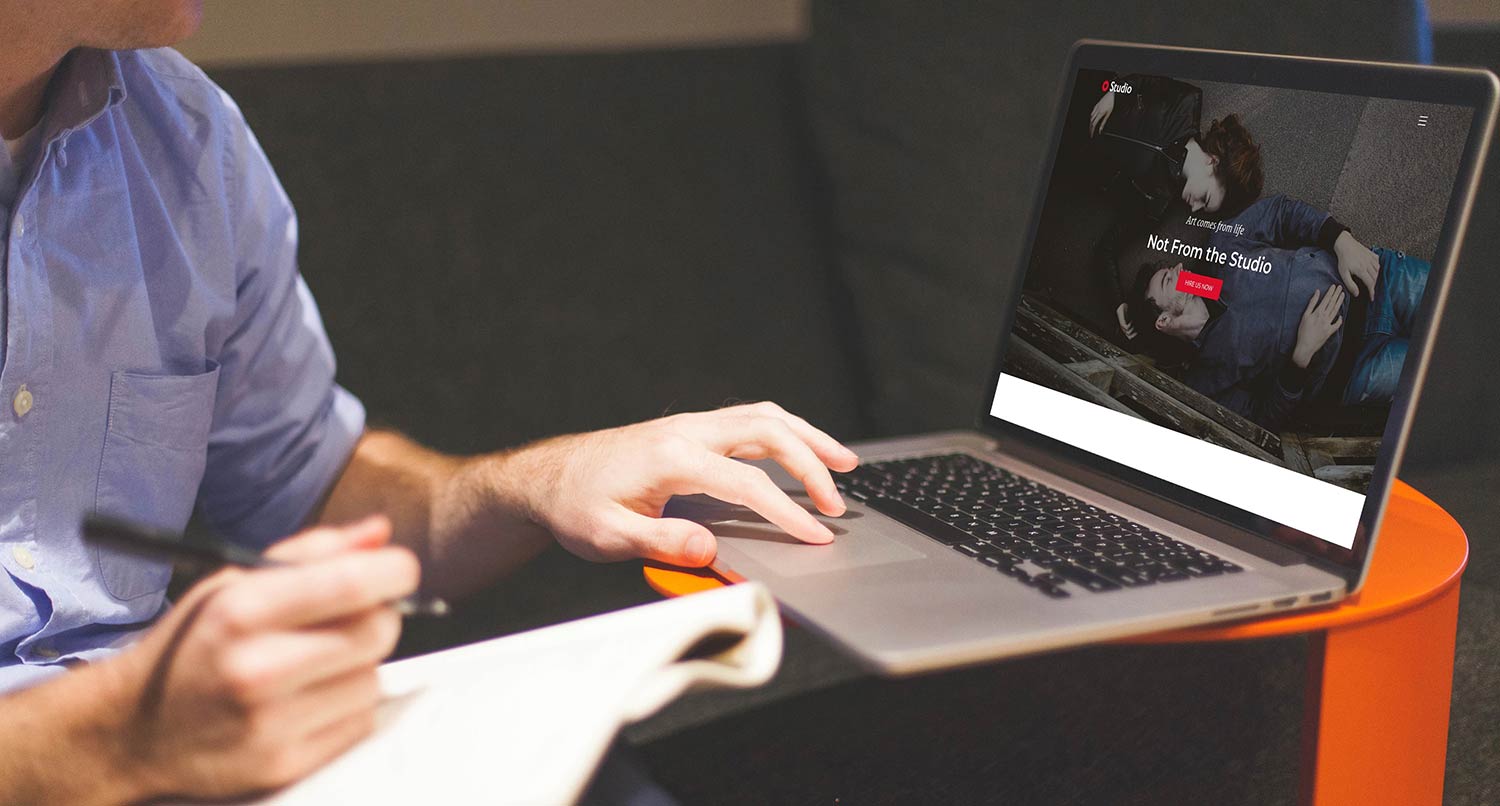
(159, 544)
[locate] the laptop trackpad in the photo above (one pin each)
(744, 534)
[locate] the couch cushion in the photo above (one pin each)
(516, 246)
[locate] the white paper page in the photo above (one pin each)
(525, 719)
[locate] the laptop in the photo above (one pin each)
(1191, 417)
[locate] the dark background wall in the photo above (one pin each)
(1463, 380)
(936, 53)
(558, 243)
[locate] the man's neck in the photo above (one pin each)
(24, 73)
(1195, 318)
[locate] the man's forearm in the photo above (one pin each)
(62, 742)
(461, 515)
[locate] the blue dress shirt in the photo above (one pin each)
(161, 352)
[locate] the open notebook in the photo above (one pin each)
(525, 719)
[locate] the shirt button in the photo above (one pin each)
(23, 557)
(23, 401)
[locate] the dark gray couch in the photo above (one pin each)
(510, 247)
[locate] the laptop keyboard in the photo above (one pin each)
(1025, 530)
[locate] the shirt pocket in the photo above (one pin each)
(155, 449)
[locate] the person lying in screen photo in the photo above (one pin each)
(1269, 341)
(1149, 143)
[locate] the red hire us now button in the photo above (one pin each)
(1199, 285)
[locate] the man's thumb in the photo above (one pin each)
(679, 542)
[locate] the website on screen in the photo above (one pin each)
(1225, 282)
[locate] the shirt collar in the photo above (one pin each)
(1216, 311)
(88, 82)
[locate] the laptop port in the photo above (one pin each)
(1231, 611)
(1320, 597)
(1287, 602)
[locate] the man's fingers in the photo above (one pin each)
(669, 540)
(1312, 302)
(1122, 315)
(1332, 304)
(329, 702)
(1356, 275)
(1370, 274)
(739, 483)
(1337, 323)
(326, 541)
(1097, 118)
(326, 745)
(757, 437)
(315, 592)
(1336, 300)
(278, 663)
(829, 450)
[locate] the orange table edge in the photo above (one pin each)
(1380, 671)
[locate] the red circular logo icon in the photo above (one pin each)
(1104, 86)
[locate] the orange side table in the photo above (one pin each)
(1380, 675)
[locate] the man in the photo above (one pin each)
(1271, 338)
(162, 353)
(1151, 147)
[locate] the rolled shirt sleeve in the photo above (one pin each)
(282, 428)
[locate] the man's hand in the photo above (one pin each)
(1356, 262)
(1319, 322)
(1122, 315)
(601, 494)
(256, 678)
(1102, 110)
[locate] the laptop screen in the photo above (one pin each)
(1224, 283)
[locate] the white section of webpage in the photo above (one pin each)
(1285, 496)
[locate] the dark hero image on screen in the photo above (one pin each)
(1242, 264)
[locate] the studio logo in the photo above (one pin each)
(1116, 86)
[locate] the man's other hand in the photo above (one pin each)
(1356, 262)
(602, 494)
(256, 678)
(1122, 315)
(1100, 114)
(1319, 322)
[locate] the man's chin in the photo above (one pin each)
(168, 28)
(180, 28)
